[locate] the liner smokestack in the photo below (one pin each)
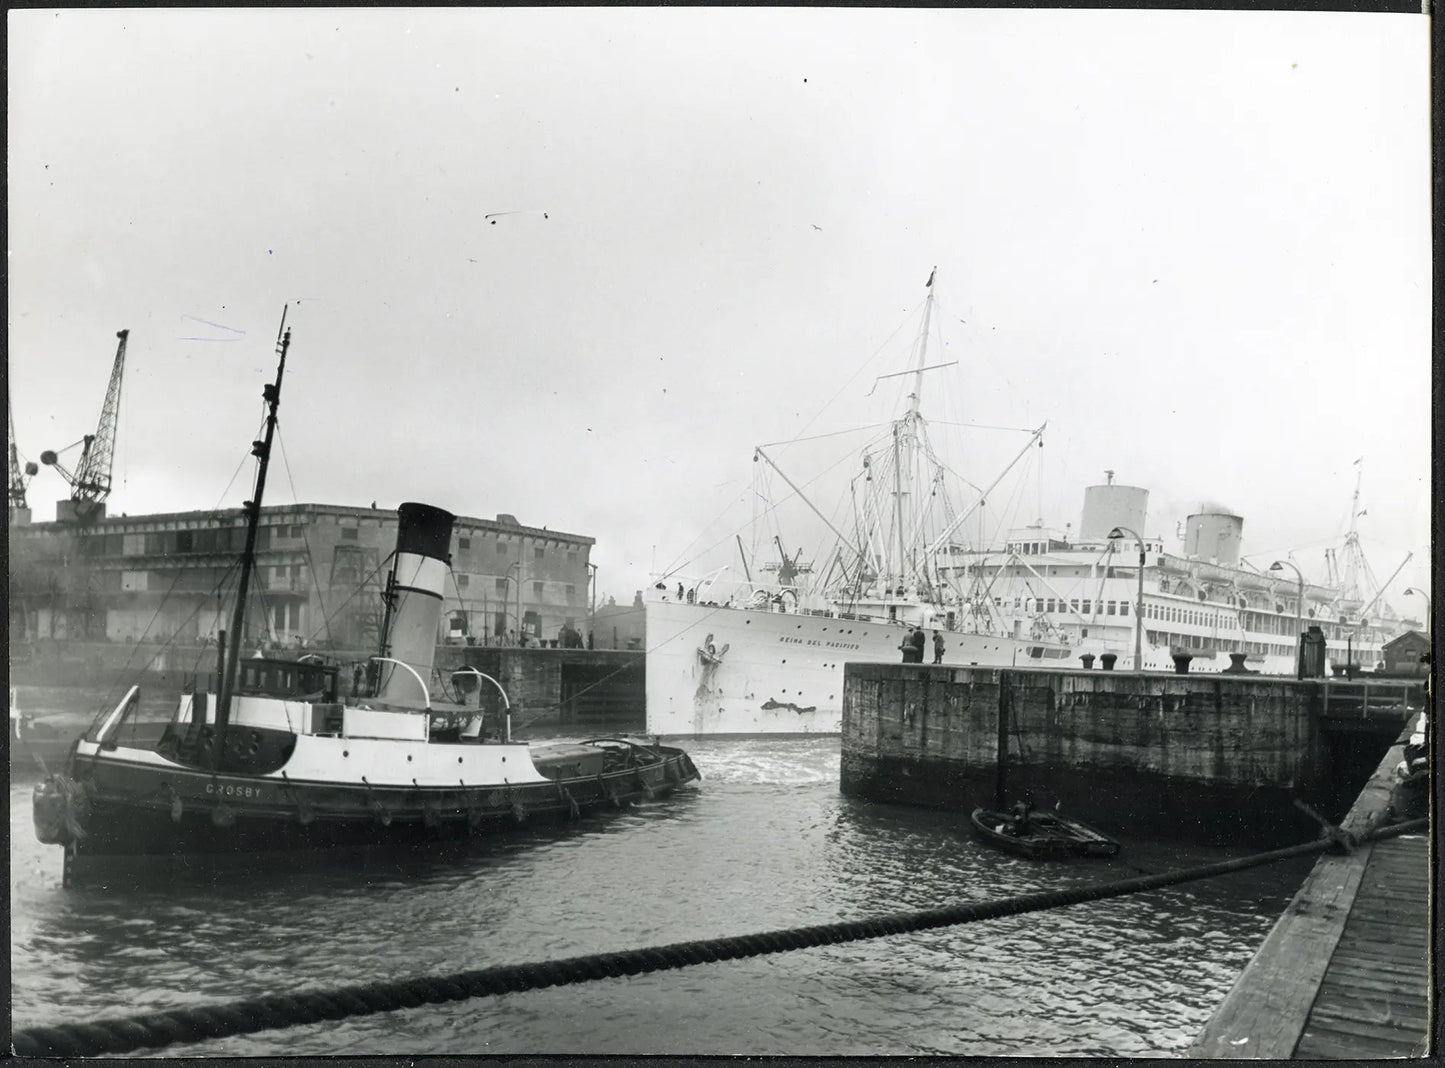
(418, 577)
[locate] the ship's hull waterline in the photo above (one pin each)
(113, 807)
(780, 672)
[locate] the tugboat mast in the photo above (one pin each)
(271, 393)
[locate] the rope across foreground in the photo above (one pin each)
(151, 1030)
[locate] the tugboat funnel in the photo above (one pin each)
(418, 577)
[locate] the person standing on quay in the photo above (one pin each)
(937, 647)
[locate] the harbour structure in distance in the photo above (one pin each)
(320, 572)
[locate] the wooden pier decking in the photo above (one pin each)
(1345, 973)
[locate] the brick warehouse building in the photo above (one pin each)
(320, 571)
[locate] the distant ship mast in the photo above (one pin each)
(1356, 567)
(905, 443)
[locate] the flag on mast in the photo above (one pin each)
(930, 278)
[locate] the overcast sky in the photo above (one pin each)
(1197, 244)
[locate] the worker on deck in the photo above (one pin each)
(1021, 817)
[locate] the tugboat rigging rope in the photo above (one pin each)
(152, 1030)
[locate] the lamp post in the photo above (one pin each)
(592, 614)
(1119, 532)
(518, 566)
(1299, 608)
(1429, 641)
(1426, 598)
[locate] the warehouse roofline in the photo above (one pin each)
(504, 523)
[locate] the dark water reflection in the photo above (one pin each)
(765, 842)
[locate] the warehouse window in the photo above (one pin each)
(348, 533)
(537, 590)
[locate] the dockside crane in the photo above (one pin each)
(19, 475)
(90, 481)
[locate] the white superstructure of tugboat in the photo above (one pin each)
(765, 655)
(274, 760)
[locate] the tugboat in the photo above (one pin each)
(273, 760)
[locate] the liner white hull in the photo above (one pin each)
(782, 672)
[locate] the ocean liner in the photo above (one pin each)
(764, 653)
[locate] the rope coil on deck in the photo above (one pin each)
(151, 1030)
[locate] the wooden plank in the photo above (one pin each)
(1385, 1004)
(1386, 954)
(1343, 1024)
(1353, 1048)
(1322, 1048)
(1392, 938)
(1347, 978)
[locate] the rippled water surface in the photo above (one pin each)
(765, 841)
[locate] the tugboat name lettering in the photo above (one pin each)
(233, 791)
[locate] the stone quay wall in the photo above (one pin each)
(1211, 758)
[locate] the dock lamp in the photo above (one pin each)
(1429, 641)
(1119, 532)
(1299, 609)
(1426, 598)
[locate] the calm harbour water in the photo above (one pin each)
(765, 841)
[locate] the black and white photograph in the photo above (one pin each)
(686, 531)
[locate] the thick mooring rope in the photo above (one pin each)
(124, 1034)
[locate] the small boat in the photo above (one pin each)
(272, 759)
(1044, 835)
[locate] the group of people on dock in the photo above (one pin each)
(914, 644)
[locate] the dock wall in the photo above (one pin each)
(602, 687)
(1208, 757)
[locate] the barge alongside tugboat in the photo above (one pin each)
(273, 760)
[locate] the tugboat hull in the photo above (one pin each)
(110, 808)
